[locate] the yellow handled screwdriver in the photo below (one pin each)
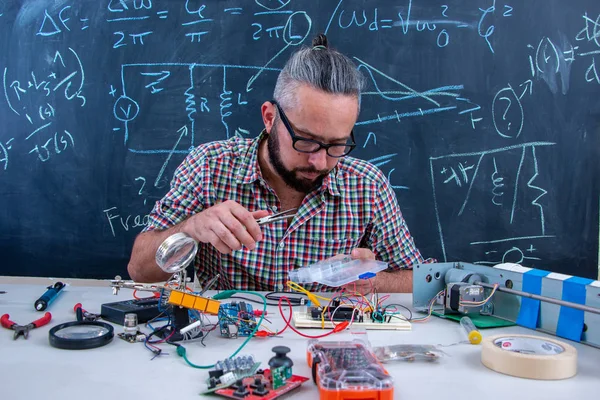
(472, 332)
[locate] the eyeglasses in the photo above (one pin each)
(304, 145)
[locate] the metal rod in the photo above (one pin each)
(549, 332)
(582, 307)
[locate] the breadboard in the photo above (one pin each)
(303, 320)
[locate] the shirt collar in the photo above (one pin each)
(249, 170)
(331, 182)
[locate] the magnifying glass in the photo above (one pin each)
(176, 252)
(81, 335)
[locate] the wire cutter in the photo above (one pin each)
(21, 330)
(277, 216)
(83, 315)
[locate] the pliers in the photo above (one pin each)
(21, 330)
(83, 315)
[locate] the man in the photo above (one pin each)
(344, 205)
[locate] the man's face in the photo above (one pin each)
(296, 177)
(319, 116)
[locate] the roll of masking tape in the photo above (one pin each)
(532, 357)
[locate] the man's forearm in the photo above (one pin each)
(395, 282)
(142, 266)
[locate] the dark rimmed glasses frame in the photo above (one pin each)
(304, 145)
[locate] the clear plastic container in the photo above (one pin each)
(337, 271)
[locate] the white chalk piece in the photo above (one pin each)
(532, 357)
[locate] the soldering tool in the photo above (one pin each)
(48, 297)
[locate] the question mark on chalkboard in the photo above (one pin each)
(513, 118)
(507, 108)
(143, 184)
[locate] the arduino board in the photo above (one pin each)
(236, 319)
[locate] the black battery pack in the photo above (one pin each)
(145, 309)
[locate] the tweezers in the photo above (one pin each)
(277, 216)
(209, 284)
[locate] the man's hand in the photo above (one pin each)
(383, 282)
(362, 254)
(227, 226)
(362, 286)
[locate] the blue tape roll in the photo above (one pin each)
(570, 320)
(530, 309)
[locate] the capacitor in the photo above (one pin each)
(470, 329)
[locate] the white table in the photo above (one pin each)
(33, 369)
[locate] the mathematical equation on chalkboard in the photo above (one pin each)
(199, 94)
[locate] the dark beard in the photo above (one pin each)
(290, 176)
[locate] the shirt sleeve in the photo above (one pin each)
(182, 201)
(390, 238)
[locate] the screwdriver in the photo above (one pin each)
(470, 329)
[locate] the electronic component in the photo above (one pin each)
(226, 372)
(326, 317)
(145, 309)
(348, 370)
(259, 387)
(230, 377)
(237, 364)
(336, 312)
(281, 366)
(174, 298)
(459, 292)
(194, 302)
(305, 320)
(130, 329)
(278, 377)
(130, 324)
(138, 337)
(236, 319)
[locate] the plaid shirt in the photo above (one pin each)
(354, 207)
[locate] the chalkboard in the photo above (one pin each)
(484, 115)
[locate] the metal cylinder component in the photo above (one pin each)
(461, 275)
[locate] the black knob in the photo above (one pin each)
(280, 359)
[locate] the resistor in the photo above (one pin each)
(470, 329)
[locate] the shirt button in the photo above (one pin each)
(274, 209)
(281, 245)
